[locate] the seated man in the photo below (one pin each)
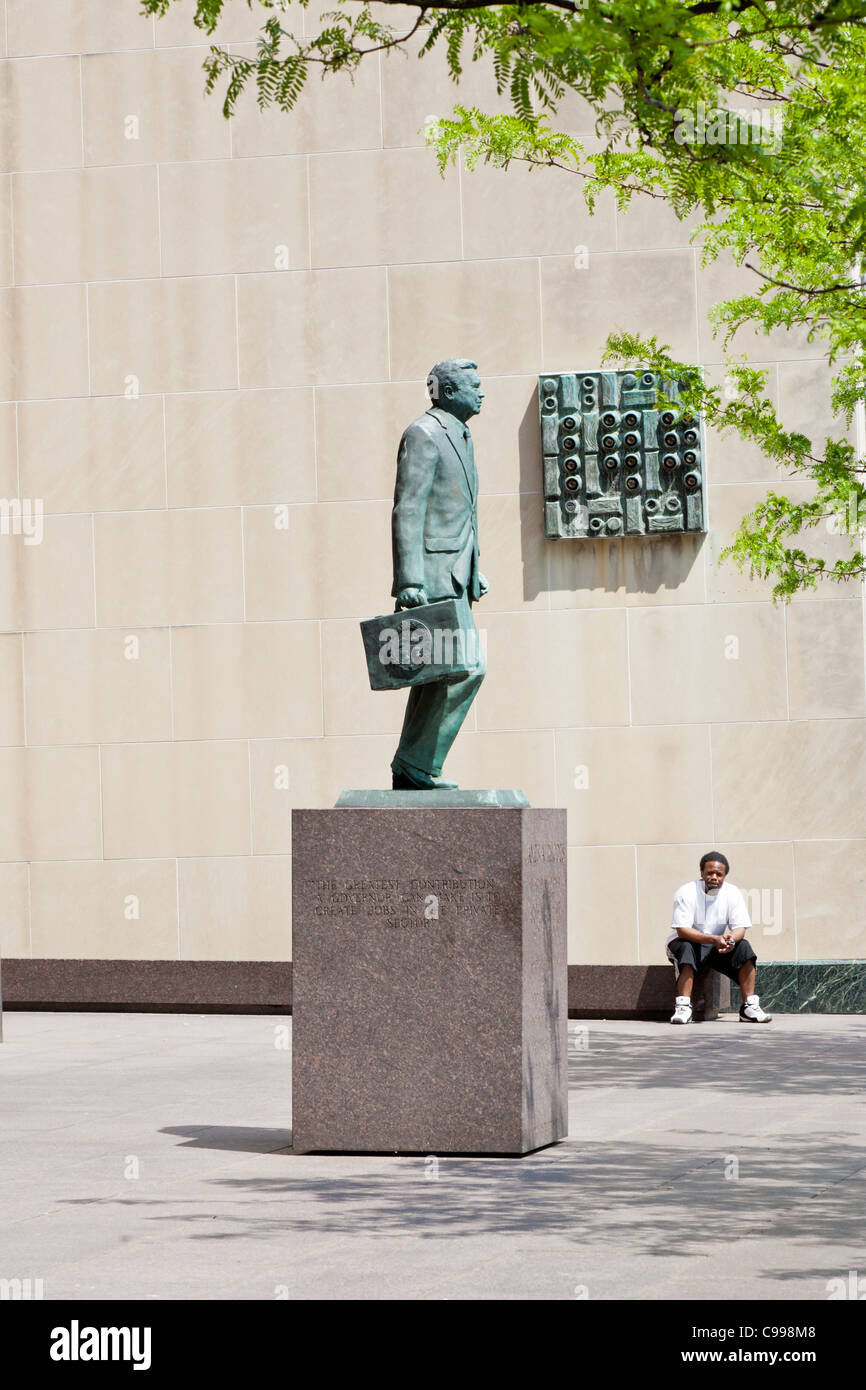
(709, 927)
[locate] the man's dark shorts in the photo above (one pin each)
(726, 962)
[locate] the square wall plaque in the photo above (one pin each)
(615, 464)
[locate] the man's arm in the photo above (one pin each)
(739, 920)
(417, 459)
(701, 938)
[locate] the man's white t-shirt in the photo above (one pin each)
(708, 912)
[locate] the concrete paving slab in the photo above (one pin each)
(147, 1156)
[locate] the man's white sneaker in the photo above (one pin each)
(683, 1011)
(751, 1011)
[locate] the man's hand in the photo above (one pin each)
(482, 583)
(725, 943)
(411, 597)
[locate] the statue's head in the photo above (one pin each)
(454, 385)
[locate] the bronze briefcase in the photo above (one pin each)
(411, 646)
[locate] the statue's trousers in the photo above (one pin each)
(433, 718)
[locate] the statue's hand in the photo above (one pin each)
(482, 583)
(411, 597)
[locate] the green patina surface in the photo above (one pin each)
(434, 535)
(455, 798)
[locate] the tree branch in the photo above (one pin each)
(802, 289)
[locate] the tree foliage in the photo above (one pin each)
(749, 114)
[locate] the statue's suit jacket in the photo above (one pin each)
(434, 524)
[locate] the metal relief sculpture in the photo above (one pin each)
(614, 463)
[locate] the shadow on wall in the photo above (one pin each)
(637, 565)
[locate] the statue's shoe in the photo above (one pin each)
(404, 781)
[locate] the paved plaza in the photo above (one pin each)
(148, 1156)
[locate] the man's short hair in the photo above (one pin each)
(446, 373)
(717, 855)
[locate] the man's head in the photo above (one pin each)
(714, 868)
(454, 385)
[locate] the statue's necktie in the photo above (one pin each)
(470, 454)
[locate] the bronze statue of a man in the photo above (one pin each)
(434, 530)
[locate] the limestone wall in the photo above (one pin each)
(212, 336)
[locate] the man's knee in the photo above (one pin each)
(684, 954)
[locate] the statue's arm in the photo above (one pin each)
(417, 459)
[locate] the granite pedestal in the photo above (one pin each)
(430, 979)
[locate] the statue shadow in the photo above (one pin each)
(235, 1138)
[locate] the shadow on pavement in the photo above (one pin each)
(667, 1200)
(243, 1139)
(725, 1056)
